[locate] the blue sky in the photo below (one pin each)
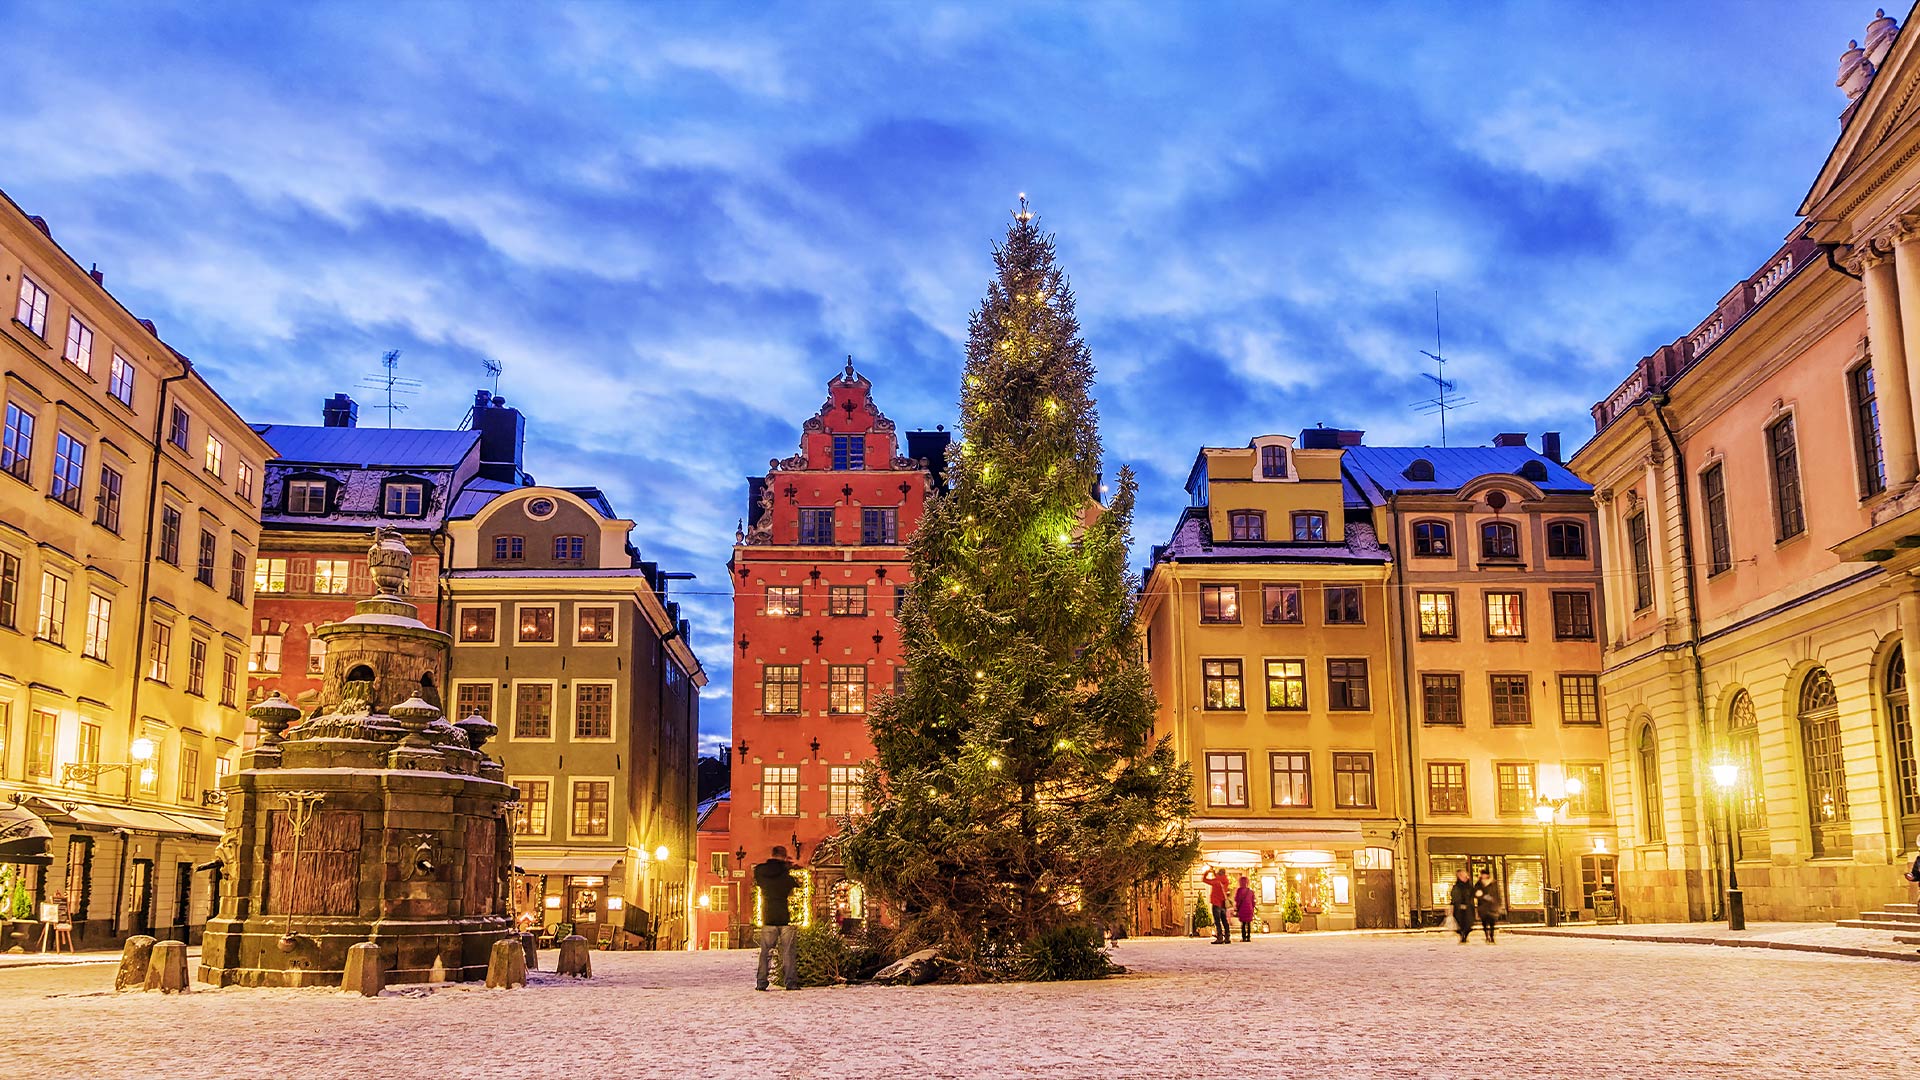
(670, 222)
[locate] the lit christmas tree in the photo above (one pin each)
(1020, 787)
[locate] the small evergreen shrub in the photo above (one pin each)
(1066, 952)
(824, 956)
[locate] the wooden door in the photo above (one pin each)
(140, 893)
(1373, 906)
(183, 898)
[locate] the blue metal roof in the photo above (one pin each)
(1385, 467)
(405, 448)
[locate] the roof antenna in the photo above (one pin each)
(390, 381)
(494, 367)
(1440, 402)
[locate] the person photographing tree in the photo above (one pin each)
(776, 881)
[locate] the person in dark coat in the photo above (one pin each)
(1216, 882)
(1461, 897)
(1486, 900)
(774, 878)
(1243, 908)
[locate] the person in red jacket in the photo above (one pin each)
(1243, 908)
(1216, 880)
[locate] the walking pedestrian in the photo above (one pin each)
(1486, 899)
(1216, 880)
(774, 878)
(1461, 897)
(1243, 907)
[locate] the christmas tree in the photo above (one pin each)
(1020, 788)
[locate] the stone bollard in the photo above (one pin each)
(133, 964)
(506, 965)
(531, 942)
(575, 960)
(365, 974)
(167, 968)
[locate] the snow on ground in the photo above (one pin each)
(1302, 1005)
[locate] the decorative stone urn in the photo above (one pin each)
(372, 820)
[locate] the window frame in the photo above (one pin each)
(880, 525)
(1267, 607)
(1567, 620)
(487, 709)
(1495, 698)
(1513, 617)
(1315, 522)
(1232, 686)
(846, 601)
(1863, 399)
(1350, 801)
(848, 451)
(69, 469)
(490, 613)
(612, 707)
(1515, 800)
(769, 686)
(1340, 695)
(574, 784)
(1497, 534)
(16, 442)
(612, 638)
(1223, 598)
(1296, 678)
(811, 535)
(1432, 539)
(1576, 687)
(1247, 526)
(1220, 763)
(519, 625)
(1713, 504)
(121, 375)
(78, 348)
(1783, 463)
(1273, 462)
(513, 725)
(783, 610)
(1304, 759)
(107, 497)
(34, 307)
(784, 779)
(1566, 539)
(1445, 622)
(1327, 593)
(1640, 558)
(296, 496)
(841, 690)
(1445, 683)
(1455, 772)
(524, 820)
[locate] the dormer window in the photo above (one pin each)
(1534, 471)
(849, 451)
(1499, 540)
(405, 498)
(1273, 462)
(306, 496)
(1420, 470)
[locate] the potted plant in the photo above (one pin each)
(1290, 912)
(1202, 917)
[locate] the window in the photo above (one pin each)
(849, 451)
(1353, 781)
(106, 508)
(473, 699)
(1510, 705)
(1447, 787)
(1347, 685)
(1866, 423)
(899, 600)
(42, 730)
(9, 590)
(780, 689)
(1286, 685)
(783, 599)
(216, 463)
(332, 576)
(846, 688)
(1573, 616)
(1713, 496)
(86, 750)
(243, 482)
(99, 621)
(846, 790)
(1592, 800)
(846, 600)
(270, 576)
(534, 796)
(264, 653)
(32, 309)
(306, 496)
(509, 548)
(816, 525)
(53, 608)
(1226, 778)
(591, 799)
(203, 562)
(1743, 747)
(1653, 826)
(1513, 781)
(1247, 524)
(1219, 603)
(880, 525)
(159, 650)
(189, 782)
(719, 898)
(1789, 516)
(1343, 605)
(536, 624)
(79, 350)
(1642, 561)
(595, 625)
(229, 683)
(69, 469)
(533, 711)
(1440, 700)
(593, 710)
(1436, 615)
(16, 444)
(569, 548)
(1826, 773)
(1566, 540)
(1432, 538)
(1292, 780)
(1273, 462)
(120, 380)
(477, 624)
(1580, 700)
(780, 790)
(1310, 526)
(1499, 540)
(178, 424)
(1906, 769)
(1419, 470)
(1280, 604)
(406, 499)
(317, 655)
(170, 536)
(1221, 681)
(1506, 617)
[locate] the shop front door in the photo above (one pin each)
(140, 896)
(583, 907)
(1373, 906)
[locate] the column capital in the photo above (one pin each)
(1867, 254)
(1905, 229)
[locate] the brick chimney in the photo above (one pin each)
(503, 437)
(1550, 446)
(340, 411)
(1511, 438)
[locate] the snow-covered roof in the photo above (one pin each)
(1454, 467)
(404, 448)
(1192, 541)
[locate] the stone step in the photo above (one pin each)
(1905, 909)
(1891, 917)
(1907, 939)
(1878, 924)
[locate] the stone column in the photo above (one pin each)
(1893, 337)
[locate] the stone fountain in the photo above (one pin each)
(372, 820)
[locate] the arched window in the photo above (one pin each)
(1419, 469)
(1534, 471)
(1566, 540)
(1819, 716)
(1749, 798)
(1499, 540)
(1652, 827)
(1906, 769)
(1432, 538)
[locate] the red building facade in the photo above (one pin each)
(819, 568)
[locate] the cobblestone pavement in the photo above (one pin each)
(1302, 1005)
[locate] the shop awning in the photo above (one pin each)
(24, 836)
(1277, 833)
(566, 864)
(127, 817)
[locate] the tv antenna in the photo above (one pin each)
(1440, 402)
(389, 380)
(494, 367)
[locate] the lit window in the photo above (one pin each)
(16, 446)
(1292, 781)
(331, 576)
(1221, 684)
(536, 624)
(1286, 684)
(1447, 787)
(1436, 615)
(159, 651)
(1505, 615)
(1219, 603)
(1280, 604)
(847, 600)
(533, 711)
(53, 608)
(32, 309)
(534, 796)
(264, 653)
(596, 624)
(79, 350)
(120, 380)
(216, 456)
(1353, 781)
(592, 807)
(243, 482)
(99, 618)
(783, 599)
(270, 575)
(846, 688)
(780, 790)
(1226, 778)
(1580, 700)
(477, 624)
(846, 790)
(1513, 781)
(780, 689)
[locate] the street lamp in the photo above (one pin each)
(1544, 811)
(1726, 774)
(141, 750)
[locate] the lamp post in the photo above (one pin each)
(141, 750)
(1726, 775)
(1544, 810)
